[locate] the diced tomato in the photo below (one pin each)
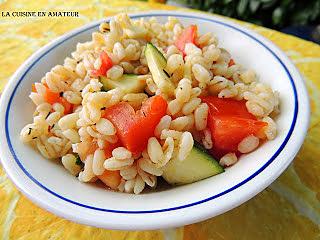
(231, 63)
(106, 64)
(86, 148)
(74, 107)
(67, 106)
(188, 35)
(51, 97)
(227, 132)
(33, 88)
(230, 122)
(111, 178)
(109, 147)
(224, 106)
(106, 61)
(135, 128)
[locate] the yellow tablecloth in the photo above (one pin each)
(288, 209)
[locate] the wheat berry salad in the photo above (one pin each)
(144, 100)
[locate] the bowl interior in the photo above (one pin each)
(244, 50)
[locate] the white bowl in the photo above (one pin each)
(50, 186)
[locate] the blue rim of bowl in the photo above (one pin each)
(172, 208)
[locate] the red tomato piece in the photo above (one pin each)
(68, 107)
(230, 122)
(227, 132)
(188, 35)
(33, 88)
(106, 64)
(135, 128)
(74, 107)
(51, 97)
(226, 106)
(231, 63)
(109, 148)
(111, 178)
(86, 149)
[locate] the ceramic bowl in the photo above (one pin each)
(51, 187)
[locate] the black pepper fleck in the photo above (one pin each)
(168, 75)
(47, 115)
